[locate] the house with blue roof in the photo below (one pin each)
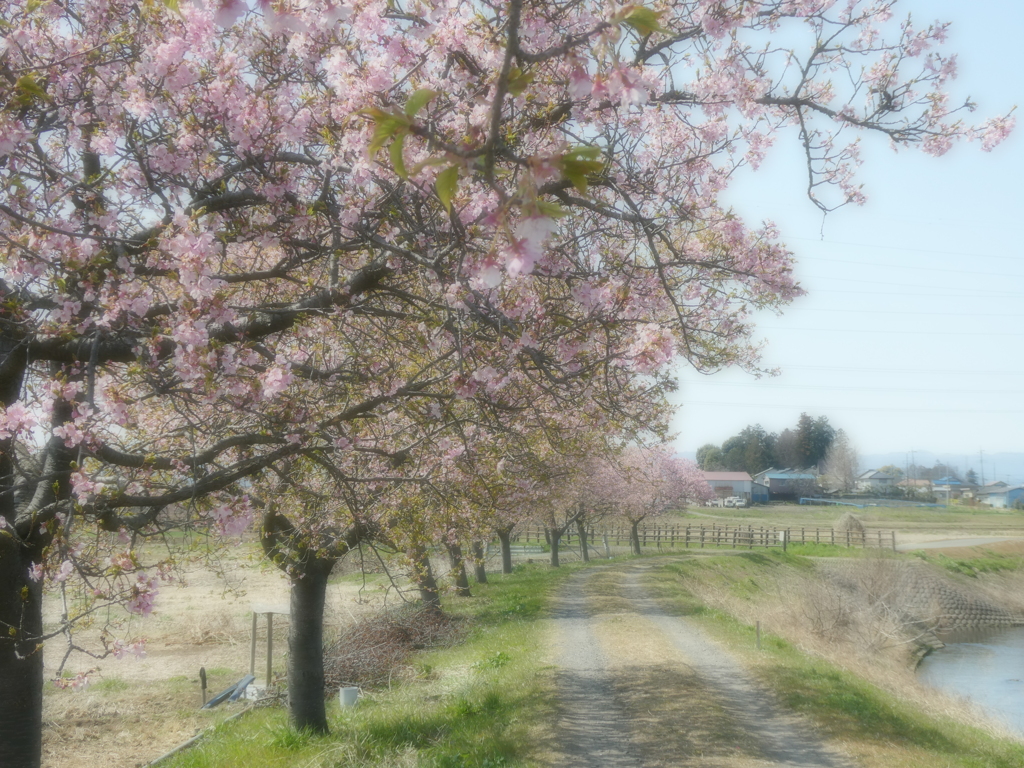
(948, 487)
(1005, 497)
(788, 484)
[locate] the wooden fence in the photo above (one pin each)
(733, 536)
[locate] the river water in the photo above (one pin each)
(986, 667)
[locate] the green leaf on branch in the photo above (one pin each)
(518, 81)
(429, 162)
(418, 101)
(389, 125)
(643, 20)
(397, 160)
(29, 91)
(551, 210)
(446, 184)
(579, 163)
(173, 5)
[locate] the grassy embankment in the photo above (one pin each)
(958, 516)
(490, 702)
(882, 729)
(477, 704)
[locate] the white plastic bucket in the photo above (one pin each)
(347, 697)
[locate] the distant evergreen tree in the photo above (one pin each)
(709, 458)
(785, 450)
(822, 435)
(805, 441)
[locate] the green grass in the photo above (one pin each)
(844, 705)
(830, 550)
(985, 562)
(470, 705)
(111, 685)
(486, 702)
(794, 515)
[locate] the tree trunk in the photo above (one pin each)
(310, 571)
(423, 576)
(634, 537)
(306, 649)
(21, 657)
(581, 529)
(553, 536)
(458, 563)
(505, 537)
(21, 598)
(480, 562)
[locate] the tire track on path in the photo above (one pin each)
(784, 738)
(592, 726)
(595, 724)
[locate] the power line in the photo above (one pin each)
(902, 312)
(958, 290)
(888, 331)
(900, 370)
(735, 404)
(881, 388)
(915, 295)
(890, 265)
(900, 248)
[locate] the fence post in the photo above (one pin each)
(832, 535)
(893, 540)
(847, 538)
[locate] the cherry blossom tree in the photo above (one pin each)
(240, 236)
(646, 482)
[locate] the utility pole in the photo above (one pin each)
(981, 454)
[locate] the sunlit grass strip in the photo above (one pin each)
(477, 704)
(984, 561)
(880, 729)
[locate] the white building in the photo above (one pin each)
(726, 484)
(873, 480)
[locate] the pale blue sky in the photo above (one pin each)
(911, 334)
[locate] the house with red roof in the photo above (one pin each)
(726, 484)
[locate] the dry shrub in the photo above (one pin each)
(849, 522)
(373, 651)
(826, 608)
(211, 629)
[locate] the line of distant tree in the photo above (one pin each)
(754, 449)
(937, 472)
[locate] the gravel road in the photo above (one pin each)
(605, 723)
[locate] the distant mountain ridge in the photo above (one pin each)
(1008, 467)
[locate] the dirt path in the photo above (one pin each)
(639, 686)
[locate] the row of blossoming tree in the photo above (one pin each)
(328, 264)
